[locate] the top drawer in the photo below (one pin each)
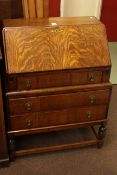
(53, 79)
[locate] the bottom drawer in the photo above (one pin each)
(53, 118)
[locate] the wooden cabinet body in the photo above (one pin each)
(4, 158)
(57, 76)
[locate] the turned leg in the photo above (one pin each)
(11, 143)
(101, 135)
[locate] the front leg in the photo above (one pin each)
(101, 135)
(11, 143)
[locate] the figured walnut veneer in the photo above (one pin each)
(44, 48)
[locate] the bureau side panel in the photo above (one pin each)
(3, 144)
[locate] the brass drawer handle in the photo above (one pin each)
(91, 78)
(28, 106)
(28, 84)
(29, 122)
(89, 115)
(57, 30)
(92, 99)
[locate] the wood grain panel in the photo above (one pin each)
(29, 81)
(74, 115)
(33, 49)
(58, 90)
(61, 101)
(53, 118)
(56, 79)
(58, 102)
(47, 21)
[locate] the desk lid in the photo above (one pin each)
(55, 44)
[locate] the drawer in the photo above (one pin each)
(57, 102)
(60, 117)
(53, 79)
(58, 79)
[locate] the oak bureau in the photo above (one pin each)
(57, 77)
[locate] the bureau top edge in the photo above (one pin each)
(80, 69)
(53, 21)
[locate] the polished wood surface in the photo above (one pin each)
(48, 21)
(55, 79)
(35, 8)
(58, 117)
(84, 46)
(57, 108)
(55, 128)
(58, 102)
(58, 90)
(56, 147)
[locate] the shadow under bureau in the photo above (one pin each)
(57, 78)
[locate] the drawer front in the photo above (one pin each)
(57, 102)
(53, 79)
(61, 117)
(59, 79)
